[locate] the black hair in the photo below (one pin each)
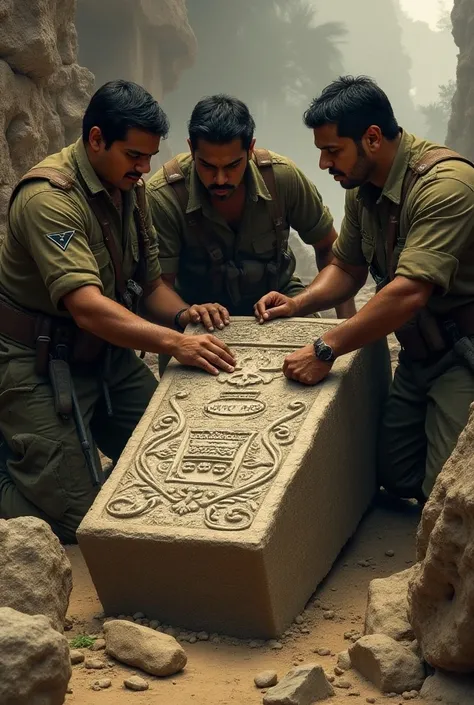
(221, 119)
(353, 104)
(119, 106)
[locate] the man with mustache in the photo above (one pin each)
(409, 219)
(223, 213)
(79, 262)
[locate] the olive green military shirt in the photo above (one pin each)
(55, 244)
(300, 203)
(436, 238)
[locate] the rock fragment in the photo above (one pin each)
(136, 683)
(387, 664)
(266, 679)
(387, 607)
(76, 657)
(303, 685)
(151, 651)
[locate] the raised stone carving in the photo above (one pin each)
(238, 480)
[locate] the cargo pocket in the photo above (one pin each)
(264, 245)
(35, 469)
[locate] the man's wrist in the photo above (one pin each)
(323, 351)
(180, 320)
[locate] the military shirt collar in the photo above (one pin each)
(88, 174)
(393, 186)
(255, 185)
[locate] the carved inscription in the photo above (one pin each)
(222, 474)
(236, 404)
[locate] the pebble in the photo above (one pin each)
(345, 685)
(103, 683)
(94, 663)
(299, 619)
(154, 624)
(172, 631)
(305, 630)
(136, 683)
(276, 645)
(98, 645)
(371, 701)
(202, 636)
(329, 614)
(192, 639)
(122, 616)
(354, 694)
(330, 678)
(266, 679)
(338, 671)
(217, 640)
(69, 691)
(390, 553)
(138, 615)
(363, 564)
(322, 652)
(76, 656)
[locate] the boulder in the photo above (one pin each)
(387, 607)
(441, 589)
(304, 685)
(44, 91)
(34, 660)
(448, 689)
(35, 573)
(387, 664)
(153, 652)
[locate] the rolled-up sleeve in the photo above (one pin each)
(348, 246)
(441, 228)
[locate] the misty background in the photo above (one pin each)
(276, 55)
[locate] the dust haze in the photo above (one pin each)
(277, 55)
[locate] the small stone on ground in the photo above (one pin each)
(266, 679)
(136, 683)
(76, 656)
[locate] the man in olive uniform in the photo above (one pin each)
(79, 252)
(409, 218)
(223, 213)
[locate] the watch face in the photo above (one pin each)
(325, 353)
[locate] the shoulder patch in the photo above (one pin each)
(62, 240)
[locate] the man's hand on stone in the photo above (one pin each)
(211, 316)
(303, 366)
(274, 305)
(204, 351)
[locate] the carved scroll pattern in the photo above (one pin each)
(223, 474)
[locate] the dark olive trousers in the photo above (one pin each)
(46, 474)
(423, 418)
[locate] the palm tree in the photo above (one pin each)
(272, 54)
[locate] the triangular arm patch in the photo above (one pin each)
(62, 240)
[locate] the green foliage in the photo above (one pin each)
(82, 641)
(437, 114)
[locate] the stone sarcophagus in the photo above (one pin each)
(236, 493)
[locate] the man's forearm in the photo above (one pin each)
(163, 303)
(332, 287)
(387, 311)
(117, 325)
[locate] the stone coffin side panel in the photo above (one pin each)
(232, 484)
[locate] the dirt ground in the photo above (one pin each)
(223, 673)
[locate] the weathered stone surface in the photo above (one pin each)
(136, 683)
(76, 656)
(448, 689)
(238, 481)
(44, 91)
(151, 651)
(34, 660)
(441, 592)
(304, 685)
(387, 664)
(35, 573)
(150, 41)
(344, 661)
(461, 125)
(387, 607)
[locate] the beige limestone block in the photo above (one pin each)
(236, 493)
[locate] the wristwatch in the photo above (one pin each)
(323, 351)
(177, 324)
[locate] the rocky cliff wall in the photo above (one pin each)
(43, 89)
(461, 126)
